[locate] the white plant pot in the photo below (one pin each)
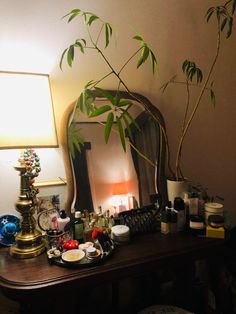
(176, 189)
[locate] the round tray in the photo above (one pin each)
(106, 251)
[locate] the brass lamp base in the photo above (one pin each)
(28, 245)
(29, 242)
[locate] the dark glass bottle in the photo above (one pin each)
(79, 234)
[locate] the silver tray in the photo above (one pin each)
(107, 249)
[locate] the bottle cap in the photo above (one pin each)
(78, 214)
(169, 204)
(178, 203)
(62, 213)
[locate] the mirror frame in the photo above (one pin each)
(160, 178)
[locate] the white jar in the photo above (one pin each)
(212, 208)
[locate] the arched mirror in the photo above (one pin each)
(103, 175)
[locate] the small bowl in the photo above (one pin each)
(73, 256)
(92, 254)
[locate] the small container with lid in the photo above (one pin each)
(212, 208)
(216, 221)
(196, 225)
(120, 233)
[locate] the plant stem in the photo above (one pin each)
(184, 120)
(178, 156)
(189, 84)
(187, 105)
(129, 60)
(105, 76)
(99, 34)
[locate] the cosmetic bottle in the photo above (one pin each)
(63, 220)
(179, 206)
(165, 222)
(173, 221)
(193, 205)
(78, 228)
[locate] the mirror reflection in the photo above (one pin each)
(104, 176)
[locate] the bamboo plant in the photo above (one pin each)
(116, 109)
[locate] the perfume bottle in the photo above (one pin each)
(63, 220)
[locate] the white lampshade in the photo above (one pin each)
(26, 111)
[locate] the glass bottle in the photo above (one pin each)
(79, 228)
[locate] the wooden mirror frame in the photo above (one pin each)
(161, 157)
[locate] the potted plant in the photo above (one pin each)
(116, 109)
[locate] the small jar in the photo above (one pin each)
(212, 208)
(196, 225)
(216, 221)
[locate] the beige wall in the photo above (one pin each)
(176, 30)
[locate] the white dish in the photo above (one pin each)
(73, 256)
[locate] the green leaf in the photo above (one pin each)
(70, 55)
(233, 6)
(199, 75)
(132, 120)
(127, 126)
(78, 44)
(108, 127)
(106, 95)
(89, 84)
(108, 33)
(191, 73)
(209, 13)
(86, 101)
(121, 133)
(138, 37)
(124, 103)
(144, 55)
(100, 110)
(213, 97)
(230, 27)
(184, 65)
(84, 15)
(74, 11)
(223, 24)
(73, 16)
(75, 140)
(92, 19)
(164, 86)
(154, 62)
(62, 57)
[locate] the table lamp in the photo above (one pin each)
(120, 191)
(26, 121)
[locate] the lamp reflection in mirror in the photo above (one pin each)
(26, 121)
(120, 196)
